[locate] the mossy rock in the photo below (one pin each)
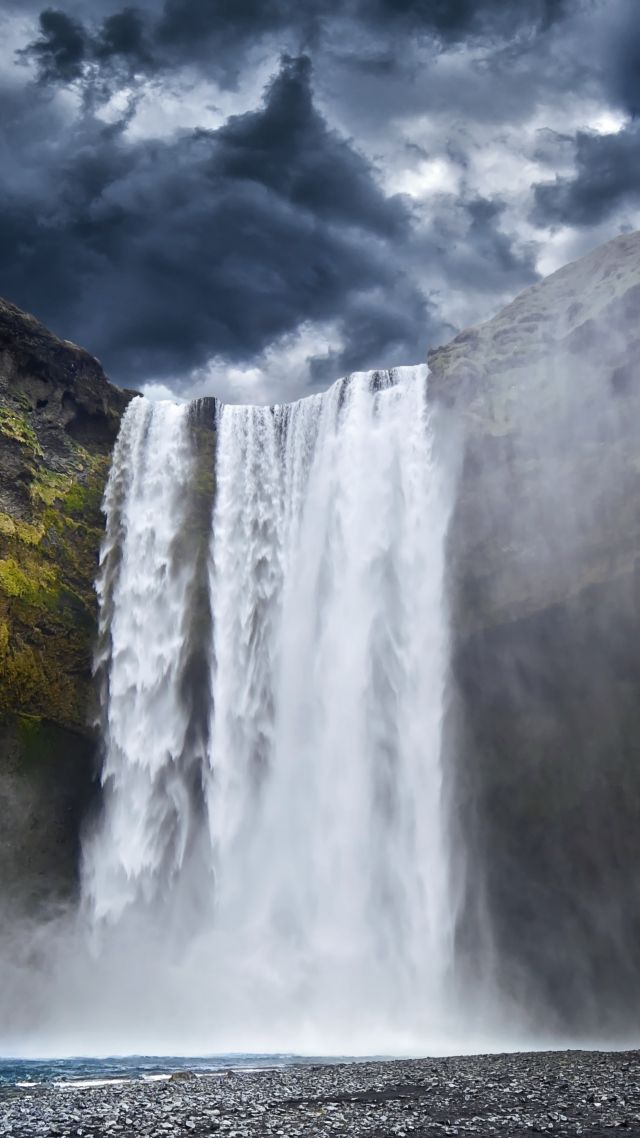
(59, 418)
(14, 424)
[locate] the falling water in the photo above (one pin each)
(144, 591)
(309, 834)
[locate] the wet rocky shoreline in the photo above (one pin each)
(572, 1092)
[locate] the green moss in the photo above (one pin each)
(84, 498)
(48, 564)
(75, 498)
(73, 547)
(15, 426)
(47, 600)
(32, 683)
(49, 544)
(31, 586)
(21, 531)
(49, 487)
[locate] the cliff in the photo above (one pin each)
(59, 417)
(543, 727)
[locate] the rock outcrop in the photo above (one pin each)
(544, 720)
(59, 417)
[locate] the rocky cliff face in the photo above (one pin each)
(544, 721)
(59, 417)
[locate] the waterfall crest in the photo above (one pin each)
(306, 845)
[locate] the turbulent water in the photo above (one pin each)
(271, 869)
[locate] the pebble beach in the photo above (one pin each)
(563, 1093)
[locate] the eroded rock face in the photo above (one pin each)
(59, 417)
(543, 731)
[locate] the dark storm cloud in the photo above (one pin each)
(607, 175)
(620, 64)
(219, 33)
(457, 19)
(159, 255)
(187, 27)
(287, 147)
(122, 35)
(67, 51)
(162, 254)
(232, 23)
(62, 48)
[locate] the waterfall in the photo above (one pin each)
(143, 590)
(302, 844)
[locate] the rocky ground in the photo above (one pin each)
(572, 1093)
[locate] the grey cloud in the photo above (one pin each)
(122, 35)
(620, 54)
(380, 329)
(470, 250)
(218, 34)
(607, 175)
(62, 47)
(456, 19)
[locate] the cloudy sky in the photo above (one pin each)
(251, 198)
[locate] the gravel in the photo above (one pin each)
(573, 1092)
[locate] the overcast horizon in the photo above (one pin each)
(250, 200)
